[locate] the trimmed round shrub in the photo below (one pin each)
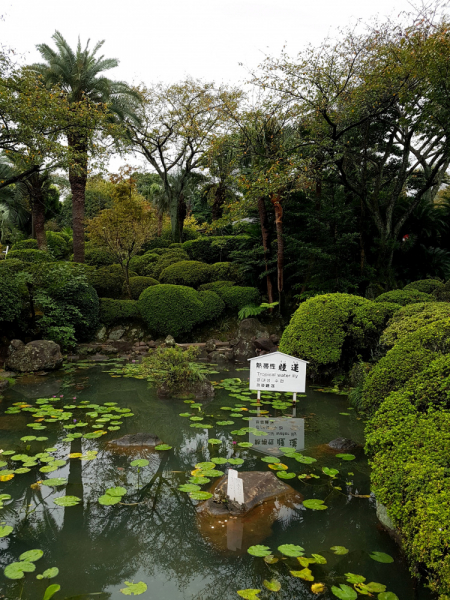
(187, 272)
(213, 305)
(30, 244)
(215, 285)
(108, 281)
(31, 256)
(113, 311)
(14, 265)
(411, 317)
(427, 286)
(409, 356)
(87, 301)
(236, 297)
(59, 244)
(167, 258)
(10, 297)
(332, 330)
(144, 264)
(98, 257)
(170, 309)
(442, 294)
(138, 285)
(404, 297)
(223, 271)
(212, 249)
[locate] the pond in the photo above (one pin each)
(154, 534)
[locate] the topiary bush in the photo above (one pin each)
(31, 256)
(108, 281)
(215, 285)
(97, 257)
(411, 317)
(10, 296)
(404, 297)
(30, 244)
(223, 271)
(213, 305)
(212, 249)
(236, 297)
(59, 244)
(113, 311)
(332, 330)
(171, 309)
(187, 272)
(168, 257)
(143, 265)
(14, 265)
(442, 294)
(427, 286)
(409, 356)
(138, 285)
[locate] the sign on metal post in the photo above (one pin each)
(277, 372)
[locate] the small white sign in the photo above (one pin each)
(235, 487)
(277, 372)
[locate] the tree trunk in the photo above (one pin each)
(265, 239)
(219, 200)
(178, 214)
(78, 180)
(160, 216)
(38, 217)
(276, 201)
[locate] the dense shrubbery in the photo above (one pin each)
(404, 297)
(411, 317)
(30, 244)
(108, 281)
(213, 305)
(117, 311)
(215, 285)
(223, 271)
(59, 244)
(215, 248)
(427, 286)
(10, 296)
(236, 297)
(170, 309)
(138, 285)
(187, 272)
(331, 330)
(442, 294)
(409, 356)
(408, 440)
(31, 256)
(97, 257)
(14, 265)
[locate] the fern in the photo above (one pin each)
(253, 311)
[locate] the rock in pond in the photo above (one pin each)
(40, 355)
(136, 440)
(200, 390)
(342, 443)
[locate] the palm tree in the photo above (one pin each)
(13, 208)
(79, 75)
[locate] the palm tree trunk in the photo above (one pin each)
(38, 217)
(78, 180)
(276, 201)
(219, 200)
(265, 239)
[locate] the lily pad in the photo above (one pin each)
(381, 557)
(284, 475)
(22, 470)
(339, 550)
(206, 465)
(212, 473)
(314, 504)
(306, 460)
(163, 447)
(272, 585)
(220, 461)
(270, 559)
(344, 592)
(270, 459)
(5, 530)
(291, 550)
(31, 555)
(352, 578)
(346, 456)
(305, 574)
(107, 500)
(236, 461)
(55, 481)
(214, 441)
(139, 462)
(67, 501)
(317, 588)
(116, 492)
(134, 589)
(16, 570)
(225, 422)
(48, 573)
(199, 480)
(320, 560)
(372, 587)
(259, 550)
(189, 487)
(245, 444)
(387, 596)
(249, 594)
(200, 495)
(330, 472)
(278, 467)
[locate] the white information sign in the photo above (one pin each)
(235, 487)
(277, 372)
(280, 432)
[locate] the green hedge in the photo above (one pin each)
(138, 285)
(108, 281)
(11, 264)
(409, 356)
(59, 244)
(332, 330)
(411, 317)
(223, 271)
(168, 257)
(187, 272)
(236, 297)
(143, 265)
(171, 309)
(30, 244)
(442, 294)
(113, 311)
(404, 297)
(31, 256)
(10, 296)
(408, 440)
(427, 286)
(215, 285)
(98, 257)
(213, 249)
(213, 305)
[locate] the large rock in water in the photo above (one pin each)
(259, 487)
(249, 330)
(342, 444)
(40, 355)
(137, 440)
(201, 390)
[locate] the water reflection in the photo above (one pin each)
(281, 432)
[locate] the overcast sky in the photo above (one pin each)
(169, 39)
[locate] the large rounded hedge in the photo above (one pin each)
(144, 264)
(236, 297)
(211, 249)
(223, 271)
(213, 305)
(169, 256)
(404, 297)
(87, 301)
(31, 256)
(170, 309)
(427, 286)
(30, 244)
(138, 285)
(10, 297)
(187, 272)
(216, 285)
(411, 317)
(332, 330)
(442, 294)
(59, 244)
(98, 257)
(409, 356)
(117, 311)
(108, 281)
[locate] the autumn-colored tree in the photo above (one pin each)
(125, 227)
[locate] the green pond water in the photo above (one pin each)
(155, 535)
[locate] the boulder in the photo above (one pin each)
(198, 389)
(116, 333)
(259, 487)
(342, 444)
(4, 384)
(265, 344)
(137, 440)
(250, 329)
(210, 345)
(169, 341)
(40, 355)
(275, 338)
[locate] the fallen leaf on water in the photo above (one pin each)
(317, 588)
